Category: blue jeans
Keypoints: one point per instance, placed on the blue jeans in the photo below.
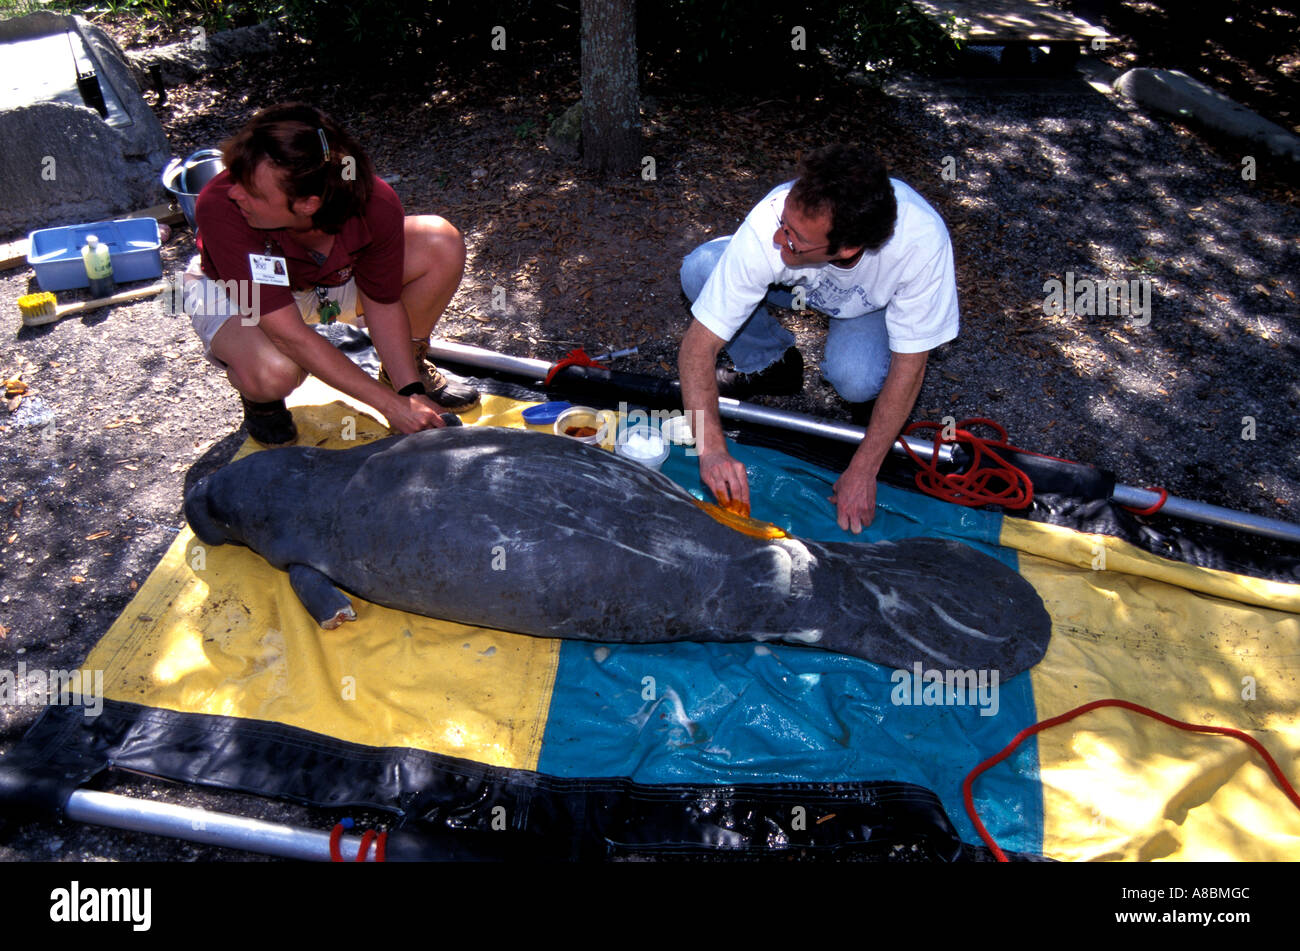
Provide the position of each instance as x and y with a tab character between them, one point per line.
857	348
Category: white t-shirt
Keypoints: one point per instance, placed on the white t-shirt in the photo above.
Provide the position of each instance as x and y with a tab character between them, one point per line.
911	275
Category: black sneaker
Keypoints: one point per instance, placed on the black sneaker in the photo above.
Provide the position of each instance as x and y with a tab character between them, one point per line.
860	413
782	378
270	424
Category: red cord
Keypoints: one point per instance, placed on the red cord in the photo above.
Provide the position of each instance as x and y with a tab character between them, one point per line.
366	838
380	841
577	357
1087	707
1155	507
972	487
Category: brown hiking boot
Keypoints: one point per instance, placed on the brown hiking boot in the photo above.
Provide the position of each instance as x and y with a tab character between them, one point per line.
446	389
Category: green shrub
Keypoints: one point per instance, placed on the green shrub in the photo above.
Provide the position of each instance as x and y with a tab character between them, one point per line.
739	43
211	14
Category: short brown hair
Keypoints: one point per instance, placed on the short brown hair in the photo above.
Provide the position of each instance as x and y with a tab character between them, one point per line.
289	136
852	183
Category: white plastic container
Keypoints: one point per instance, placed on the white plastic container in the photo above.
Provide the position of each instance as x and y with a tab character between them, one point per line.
643	444
677	431
584	417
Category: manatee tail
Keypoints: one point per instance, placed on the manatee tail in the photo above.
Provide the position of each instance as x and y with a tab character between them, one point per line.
937	602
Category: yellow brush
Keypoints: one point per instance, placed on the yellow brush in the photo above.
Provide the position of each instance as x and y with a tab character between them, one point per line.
44	308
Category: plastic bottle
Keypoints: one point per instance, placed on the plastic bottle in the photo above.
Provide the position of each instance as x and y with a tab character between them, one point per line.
98	259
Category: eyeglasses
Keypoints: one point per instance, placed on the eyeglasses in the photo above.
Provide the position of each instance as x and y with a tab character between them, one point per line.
789	242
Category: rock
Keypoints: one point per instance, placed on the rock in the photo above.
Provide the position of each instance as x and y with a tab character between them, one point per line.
564	137
231	46
178	63
62	163
184	62
32	413
1176	94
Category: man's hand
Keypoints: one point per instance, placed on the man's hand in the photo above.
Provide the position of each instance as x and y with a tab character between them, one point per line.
725	477
411	414
855	500
855	492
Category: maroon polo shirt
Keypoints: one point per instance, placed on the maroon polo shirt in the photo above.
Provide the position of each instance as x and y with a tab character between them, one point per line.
370	248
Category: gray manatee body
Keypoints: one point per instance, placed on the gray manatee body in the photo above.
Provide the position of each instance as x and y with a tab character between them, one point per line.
535	534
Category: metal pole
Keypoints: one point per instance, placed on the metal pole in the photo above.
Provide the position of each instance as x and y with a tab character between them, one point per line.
1207	513
727	408
209	828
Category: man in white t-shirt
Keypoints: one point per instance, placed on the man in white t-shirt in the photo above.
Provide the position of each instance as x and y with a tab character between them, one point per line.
853	243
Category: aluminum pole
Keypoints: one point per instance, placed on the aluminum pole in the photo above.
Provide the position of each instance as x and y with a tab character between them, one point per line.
727	408
208	828
1207	513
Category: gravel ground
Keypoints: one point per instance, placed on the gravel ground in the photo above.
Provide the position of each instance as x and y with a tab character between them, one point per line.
1053	184
123	412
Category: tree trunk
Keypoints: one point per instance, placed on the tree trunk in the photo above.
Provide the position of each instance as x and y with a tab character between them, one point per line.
611	120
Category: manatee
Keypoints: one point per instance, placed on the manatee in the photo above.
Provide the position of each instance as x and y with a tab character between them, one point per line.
536	534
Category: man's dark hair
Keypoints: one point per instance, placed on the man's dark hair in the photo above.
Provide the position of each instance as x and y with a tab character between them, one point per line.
852	183
289	136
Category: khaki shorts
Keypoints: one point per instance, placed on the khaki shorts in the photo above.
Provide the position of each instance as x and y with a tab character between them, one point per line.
209	305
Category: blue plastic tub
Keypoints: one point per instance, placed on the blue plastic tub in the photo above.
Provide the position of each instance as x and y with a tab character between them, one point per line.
55	253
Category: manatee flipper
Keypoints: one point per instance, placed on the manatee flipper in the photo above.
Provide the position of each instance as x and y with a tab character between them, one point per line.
324	602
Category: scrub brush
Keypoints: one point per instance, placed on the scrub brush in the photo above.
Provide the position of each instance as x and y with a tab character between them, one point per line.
44	308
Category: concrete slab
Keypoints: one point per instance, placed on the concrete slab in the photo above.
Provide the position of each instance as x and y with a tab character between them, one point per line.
45	69
1009	21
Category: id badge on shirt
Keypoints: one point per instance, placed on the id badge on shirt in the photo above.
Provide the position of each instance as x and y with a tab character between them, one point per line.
268	269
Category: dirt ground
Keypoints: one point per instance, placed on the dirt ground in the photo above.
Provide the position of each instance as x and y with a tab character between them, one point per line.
122	410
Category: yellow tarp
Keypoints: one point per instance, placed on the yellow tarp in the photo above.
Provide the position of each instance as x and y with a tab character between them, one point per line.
1117	785
217	630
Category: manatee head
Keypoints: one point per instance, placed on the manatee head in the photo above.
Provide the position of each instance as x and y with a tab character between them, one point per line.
211	525
257	500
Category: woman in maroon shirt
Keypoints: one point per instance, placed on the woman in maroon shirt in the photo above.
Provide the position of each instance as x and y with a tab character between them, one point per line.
297	229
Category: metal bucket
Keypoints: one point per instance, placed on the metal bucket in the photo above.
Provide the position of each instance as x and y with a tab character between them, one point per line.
185	178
